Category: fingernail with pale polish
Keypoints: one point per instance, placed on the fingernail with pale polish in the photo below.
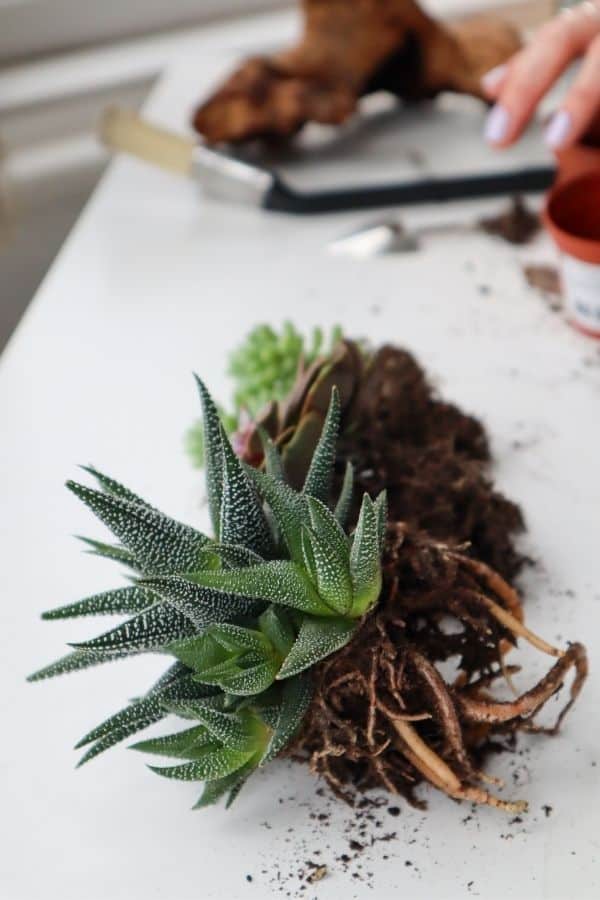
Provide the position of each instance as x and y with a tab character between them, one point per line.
496	126
558	130
493	77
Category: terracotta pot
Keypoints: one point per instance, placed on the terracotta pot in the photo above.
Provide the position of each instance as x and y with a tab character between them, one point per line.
582	158
572	216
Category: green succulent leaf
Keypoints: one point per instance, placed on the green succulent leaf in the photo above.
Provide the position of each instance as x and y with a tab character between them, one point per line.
202	606
243	521
134	718
276	624
214	763
154	628
320	473
231	785
381	511
344	503
289	510
317	639
181	745
241	730
327	529
365	566
278	581
296	695
273	461
234	556
161	545
123	601
110	551
213	456
75	661
331	574
110	486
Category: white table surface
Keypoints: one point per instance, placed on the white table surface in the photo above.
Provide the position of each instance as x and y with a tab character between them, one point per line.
153	283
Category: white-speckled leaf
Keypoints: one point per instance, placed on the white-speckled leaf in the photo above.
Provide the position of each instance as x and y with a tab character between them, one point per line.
381	511
110	551
242	518
365	566
237	730
161	545
155	627
273	461
276	624
320	473
278	581
114	487
178	745
288	508
202	606
75	661
245	682
214	764
230	784
328	530
117	728
233	556
331	573
295	699
344	503
317	639
213	457
126	601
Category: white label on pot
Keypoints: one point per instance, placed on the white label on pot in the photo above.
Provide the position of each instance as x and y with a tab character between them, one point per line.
581	282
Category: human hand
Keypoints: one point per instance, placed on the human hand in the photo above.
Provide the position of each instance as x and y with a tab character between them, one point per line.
518	86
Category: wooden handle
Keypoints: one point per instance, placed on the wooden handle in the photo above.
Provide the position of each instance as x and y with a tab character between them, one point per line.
122	130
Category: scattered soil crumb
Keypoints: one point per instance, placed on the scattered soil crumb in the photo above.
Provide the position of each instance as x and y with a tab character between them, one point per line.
546	279
548	810
516	224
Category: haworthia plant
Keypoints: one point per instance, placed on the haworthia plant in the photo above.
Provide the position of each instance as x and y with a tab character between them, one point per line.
244	615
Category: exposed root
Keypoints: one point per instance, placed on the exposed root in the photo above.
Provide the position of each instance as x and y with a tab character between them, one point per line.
384	716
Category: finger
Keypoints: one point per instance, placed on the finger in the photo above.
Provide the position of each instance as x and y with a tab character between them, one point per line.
494	80
537	68
581	105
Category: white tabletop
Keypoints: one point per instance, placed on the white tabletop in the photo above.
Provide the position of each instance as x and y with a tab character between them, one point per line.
153	283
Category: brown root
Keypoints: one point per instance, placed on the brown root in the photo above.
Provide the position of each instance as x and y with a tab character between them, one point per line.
384	716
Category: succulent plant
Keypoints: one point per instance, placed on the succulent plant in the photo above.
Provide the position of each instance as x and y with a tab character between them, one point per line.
244	615
263	368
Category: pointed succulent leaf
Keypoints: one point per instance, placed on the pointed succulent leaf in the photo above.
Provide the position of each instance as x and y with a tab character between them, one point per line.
213	455
75	661
128	600
178	745
240	681
381	511
320	474
278	581
344	503
295	699
110	486
365	564
110	551
317	639
241	730
115	737
332	574
202	606
288	508
231	785
278	627
138	709
242	518
328	530
175	674
273	461
155	627
233	556
215	763
161	545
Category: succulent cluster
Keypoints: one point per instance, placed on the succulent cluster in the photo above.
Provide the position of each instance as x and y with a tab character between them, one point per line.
263	368
244	615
